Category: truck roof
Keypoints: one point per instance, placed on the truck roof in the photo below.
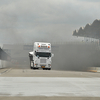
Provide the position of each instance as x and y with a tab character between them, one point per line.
42	42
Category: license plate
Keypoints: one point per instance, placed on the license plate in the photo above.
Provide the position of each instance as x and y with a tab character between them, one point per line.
43	66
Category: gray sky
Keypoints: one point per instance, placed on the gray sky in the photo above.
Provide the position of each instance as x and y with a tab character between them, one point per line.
24	21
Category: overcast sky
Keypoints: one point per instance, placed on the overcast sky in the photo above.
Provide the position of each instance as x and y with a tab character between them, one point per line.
24	21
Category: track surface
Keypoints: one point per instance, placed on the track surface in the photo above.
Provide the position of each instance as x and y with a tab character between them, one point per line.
10	72
49	86
23	84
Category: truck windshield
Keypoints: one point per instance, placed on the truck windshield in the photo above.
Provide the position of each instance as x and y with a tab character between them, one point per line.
43	54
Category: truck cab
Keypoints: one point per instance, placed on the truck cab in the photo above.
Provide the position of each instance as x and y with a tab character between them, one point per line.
41	56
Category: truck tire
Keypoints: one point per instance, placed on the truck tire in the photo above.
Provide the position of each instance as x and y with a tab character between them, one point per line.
33	66
30	65
49	68
31	58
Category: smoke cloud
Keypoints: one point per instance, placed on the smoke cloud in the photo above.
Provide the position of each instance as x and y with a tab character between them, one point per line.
28	21
78	56
23	21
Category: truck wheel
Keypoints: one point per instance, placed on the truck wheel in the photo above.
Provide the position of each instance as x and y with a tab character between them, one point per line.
30	65
33	66
49	68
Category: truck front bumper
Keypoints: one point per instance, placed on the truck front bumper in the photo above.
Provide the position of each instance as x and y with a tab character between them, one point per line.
42	66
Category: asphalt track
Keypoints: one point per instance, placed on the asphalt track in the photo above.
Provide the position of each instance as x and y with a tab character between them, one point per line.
49	86
23	84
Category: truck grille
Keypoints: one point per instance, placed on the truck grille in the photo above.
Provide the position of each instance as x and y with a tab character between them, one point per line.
42	60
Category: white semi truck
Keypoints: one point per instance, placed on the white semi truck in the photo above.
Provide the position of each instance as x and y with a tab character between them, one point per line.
41	56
